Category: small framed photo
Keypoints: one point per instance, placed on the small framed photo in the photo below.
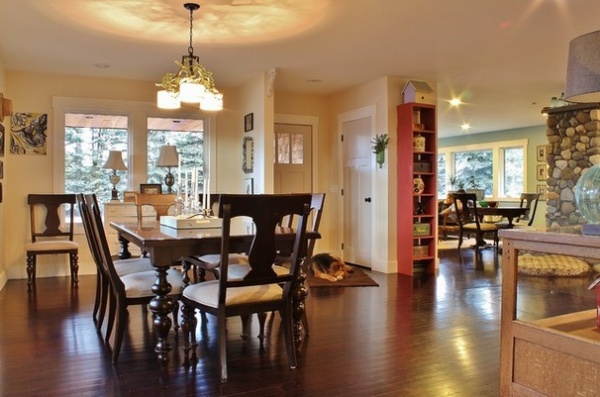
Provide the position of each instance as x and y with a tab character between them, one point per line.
541	153
542	172
151	188
129	197
543	190
249	185
249	122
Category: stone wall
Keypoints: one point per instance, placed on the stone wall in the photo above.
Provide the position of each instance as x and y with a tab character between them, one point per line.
573	147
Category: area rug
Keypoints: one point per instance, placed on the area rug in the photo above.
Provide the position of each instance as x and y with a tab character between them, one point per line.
532	264
358	278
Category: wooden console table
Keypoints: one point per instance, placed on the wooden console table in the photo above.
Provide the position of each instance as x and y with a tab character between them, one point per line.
557	356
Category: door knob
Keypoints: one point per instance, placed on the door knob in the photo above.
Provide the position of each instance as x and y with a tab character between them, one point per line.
368	200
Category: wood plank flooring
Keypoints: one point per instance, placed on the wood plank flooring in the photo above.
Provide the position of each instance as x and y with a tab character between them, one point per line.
431	336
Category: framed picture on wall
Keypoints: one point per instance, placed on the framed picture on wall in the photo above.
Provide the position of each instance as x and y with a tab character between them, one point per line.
541	153
543	190
249	122
542	172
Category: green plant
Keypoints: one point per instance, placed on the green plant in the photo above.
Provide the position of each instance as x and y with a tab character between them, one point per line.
379	143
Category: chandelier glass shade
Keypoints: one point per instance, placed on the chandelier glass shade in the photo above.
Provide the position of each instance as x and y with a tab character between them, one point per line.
193	83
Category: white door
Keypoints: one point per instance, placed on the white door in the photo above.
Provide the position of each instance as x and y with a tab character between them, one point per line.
358	163
293	158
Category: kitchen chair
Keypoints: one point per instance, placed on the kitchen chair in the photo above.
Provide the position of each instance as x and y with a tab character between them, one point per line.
527	200
469	222
123	267
50	234
261	290
160	202
123	291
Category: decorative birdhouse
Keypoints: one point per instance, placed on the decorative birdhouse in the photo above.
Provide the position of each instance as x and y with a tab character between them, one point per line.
418	92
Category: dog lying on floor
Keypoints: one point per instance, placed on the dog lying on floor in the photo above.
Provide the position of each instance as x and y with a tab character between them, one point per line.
329	267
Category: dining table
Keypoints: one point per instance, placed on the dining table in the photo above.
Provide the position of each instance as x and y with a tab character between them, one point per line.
166	246
510	213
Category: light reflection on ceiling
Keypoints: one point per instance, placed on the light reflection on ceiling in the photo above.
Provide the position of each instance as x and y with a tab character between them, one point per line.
217	21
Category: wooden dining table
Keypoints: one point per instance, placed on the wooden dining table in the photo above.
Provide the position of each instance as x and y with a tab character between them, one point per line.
509	213
166	245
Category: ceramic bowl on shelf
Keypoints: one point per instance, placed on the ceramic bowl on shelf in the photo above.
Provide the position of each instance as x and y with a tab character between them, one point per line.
493	204
484	204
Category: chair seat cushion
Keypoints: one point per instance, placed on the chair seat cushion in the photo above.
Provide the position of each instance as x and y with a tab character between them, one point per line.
212	261
484	227
54	245
139	284
135	265
207	293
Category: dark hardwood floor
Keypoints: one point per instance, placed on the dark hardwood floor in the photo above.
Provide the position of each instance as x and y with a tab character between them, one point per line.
432	336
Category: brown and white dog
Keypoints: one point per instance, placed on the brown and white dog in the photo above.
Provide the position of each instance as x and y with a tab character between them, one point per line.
329	267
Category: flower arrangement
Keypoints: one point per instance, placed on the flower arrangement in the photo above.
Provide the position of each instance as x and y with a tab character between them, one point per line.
379	143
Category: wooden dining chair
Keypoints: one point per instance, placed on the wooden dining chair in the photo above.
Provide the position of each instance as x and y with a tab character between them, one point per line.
261	289
122	267
528	201
469	222
51	232
160	202
123	291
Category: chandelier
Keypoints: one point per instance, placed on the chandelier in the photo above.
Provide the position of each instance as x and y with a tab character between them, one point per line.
192	84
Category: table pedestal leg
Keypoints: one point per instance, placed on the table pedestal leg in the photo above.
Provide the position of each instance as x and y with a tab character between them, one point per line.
161	305
124	252
299	296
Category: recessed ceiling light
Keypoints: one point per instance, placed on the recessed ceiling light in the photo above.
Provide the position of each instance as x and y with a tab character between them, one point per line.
465	127
455	102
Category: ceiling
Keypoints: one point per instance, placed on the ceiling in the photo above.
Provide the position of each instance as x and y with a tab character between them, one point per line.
505	59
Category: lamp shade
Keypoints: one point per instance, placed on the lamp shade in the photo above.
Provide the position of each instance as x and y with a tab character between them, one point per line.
583	69
115	161
168	156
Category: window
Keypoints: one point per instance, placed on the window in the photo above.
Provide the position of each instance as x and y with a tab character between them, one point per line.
185	134
88	139
289	148
499	168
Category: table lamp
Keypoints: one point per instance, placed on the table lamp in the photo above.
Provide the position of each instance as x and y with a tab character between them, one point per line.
168	157
115	163
582	86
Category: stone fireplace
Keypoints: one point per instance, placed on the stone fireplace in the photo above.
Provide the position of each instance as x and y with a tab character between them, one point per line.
573	147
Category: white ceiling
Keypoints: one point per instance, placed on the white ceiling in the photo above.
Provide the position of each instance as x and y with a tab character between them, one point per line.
504	58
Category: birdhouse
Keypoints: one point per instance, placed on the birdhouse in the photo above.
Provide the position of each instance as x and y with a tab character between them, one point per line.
596	285
418	92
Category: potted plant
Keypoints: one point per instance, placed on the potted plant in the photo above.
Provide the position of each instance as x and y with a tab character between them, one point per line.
378	145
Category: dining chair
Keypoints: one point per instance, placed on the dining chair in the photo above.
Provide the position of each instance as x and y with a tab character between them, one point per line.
160	202
527	200
51	232
126	290
469	222
122	267
261	290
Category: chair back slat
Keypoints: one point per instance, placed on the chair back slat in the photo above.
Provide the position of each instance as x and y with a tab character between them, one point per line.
51	204
265	211
160	202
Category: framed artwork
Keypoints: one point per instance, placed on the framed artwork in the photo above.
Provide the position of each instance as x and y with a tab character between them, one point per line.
542	172
541	153
249	122
1	169
129	197
0	192
249	185
248	155
543	190
28	133
151	188
2	139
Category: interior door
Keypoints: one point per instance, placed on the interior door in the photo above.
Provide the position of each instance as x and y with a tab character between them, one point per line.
293	158
357	190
